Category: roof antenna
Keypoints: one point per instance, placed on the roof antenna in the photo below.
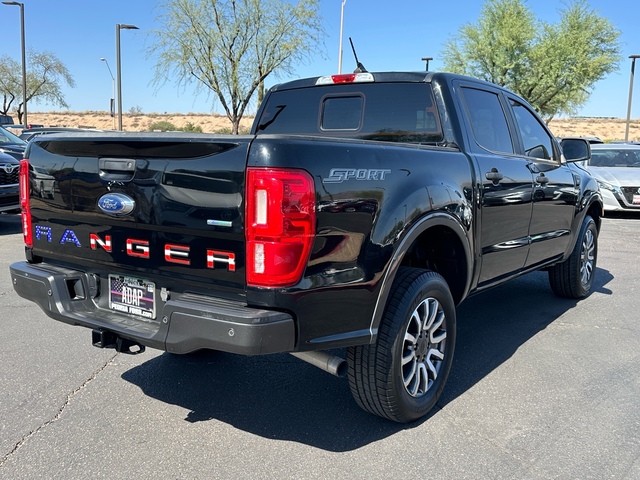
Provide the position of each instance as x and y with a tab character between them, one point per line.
359	67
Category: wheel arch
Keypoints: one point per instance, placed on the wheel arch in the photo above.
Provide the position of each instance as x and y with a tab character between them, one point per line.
596	210
438	243
591	202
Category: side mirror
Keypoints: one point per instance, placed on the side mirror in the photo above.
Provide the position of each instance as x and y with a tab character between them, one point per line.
539	151
575	149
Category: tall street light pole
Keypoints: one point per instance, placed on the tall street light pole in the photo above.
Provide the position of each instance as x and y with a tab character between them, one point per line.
120	26
24	64
633	66
427	59
341	26
113	94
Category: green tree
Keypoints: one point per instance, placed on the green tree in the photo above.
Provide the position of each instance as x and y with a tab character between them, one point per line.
229	47
553	66
46	75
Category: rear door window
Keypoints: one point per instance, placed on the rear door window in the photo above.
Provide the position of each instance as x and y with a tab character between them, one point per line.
488	120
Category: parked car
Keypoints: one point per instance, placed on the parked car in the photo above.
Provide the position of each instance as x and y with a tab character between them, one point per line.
9	188
616	167
11	144
6	120
593	140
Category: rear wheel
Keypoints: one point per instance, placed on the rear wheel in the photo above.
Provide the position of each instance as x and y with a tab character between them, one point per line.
402	375
573	278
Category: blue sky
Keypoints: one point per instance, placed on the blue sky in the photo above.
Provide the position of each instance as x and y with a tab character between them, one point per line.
388	35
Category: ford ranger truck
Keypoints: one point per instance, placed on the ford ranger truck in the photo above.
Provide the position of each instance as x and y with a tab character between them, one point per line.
355	216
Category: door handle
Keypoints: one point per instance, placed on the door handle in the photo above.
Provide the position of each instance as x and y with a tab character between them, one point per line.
117	169
494	176
542	179
118	164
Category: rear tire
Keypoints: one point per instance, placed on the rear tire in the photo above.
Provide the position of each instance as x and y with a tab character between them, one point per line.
402	375
573	278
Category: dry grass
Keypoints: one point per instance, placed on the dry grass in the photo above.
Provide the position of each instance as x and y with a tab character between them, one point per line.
604	128
135	123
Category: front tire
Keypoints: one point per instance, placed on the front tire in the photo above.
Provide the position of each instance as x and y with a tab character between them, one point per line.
402	375
573	278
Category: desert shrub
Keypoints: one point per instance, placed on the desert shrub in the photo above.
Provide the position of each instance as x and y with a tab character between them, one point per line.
163	126
227	130
166	126
190	127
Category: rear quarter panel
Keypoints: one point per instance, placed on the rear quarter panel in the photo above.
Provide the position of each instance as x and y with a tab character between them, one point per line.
369	194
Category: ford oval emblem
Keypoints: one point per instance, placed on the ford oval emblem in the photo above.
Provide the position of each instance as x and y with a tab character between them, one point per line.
116	204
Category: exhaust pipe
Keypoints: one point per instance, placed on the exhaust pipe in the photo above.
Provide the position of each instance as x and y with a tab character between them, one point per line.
329	363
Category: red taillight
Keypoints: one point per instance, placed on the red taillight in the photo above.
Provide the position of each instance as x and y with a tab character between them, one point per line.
24	203
344	78
280	225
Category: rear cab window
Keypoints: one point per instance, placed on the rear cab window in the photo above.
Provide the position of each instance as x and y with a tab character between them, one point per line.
385	112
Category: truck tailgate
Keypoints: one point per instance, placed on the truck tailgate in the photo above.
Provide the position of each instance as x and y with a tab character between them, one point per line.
170	206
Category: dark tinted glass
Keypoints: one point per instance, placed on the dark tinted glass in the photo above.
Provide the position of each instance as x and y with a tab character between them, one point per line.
388	112
488	121
535	139
342	113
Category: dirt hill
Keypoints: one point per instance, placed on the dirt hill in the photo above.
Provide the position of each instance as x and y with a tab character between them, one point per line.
134	123
604	128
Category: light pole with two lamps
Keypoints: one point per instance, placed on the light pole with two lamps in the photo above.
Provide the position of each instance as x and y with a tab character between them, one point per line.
24	64
633	66
120	26
113	94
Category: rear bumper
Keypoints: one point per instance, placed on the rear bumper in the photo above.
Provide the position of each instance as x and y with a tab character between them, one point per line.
184	324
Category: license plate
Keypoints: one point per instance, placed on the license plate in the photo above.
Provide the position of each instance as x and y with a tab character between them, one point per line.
132	295
636	199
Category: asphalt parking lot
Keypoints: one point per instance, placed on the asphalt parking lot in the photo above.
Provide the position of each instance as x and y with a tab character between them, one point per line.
541	388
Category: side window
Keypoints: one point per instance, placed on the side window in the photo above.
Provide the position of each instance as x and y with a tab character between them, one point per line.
488	121
535	139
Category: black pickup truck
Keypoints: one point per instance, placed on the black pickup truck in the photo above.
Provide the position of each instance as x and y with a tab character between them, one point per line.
358	213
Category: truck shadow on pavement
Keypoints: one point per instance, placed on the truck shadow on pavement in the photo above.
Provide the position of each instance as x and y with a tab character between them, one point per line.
281	397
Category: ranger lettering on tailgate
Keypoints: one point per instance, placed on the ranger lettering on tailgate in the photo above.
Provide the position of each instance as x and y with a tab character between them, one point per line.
173	253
